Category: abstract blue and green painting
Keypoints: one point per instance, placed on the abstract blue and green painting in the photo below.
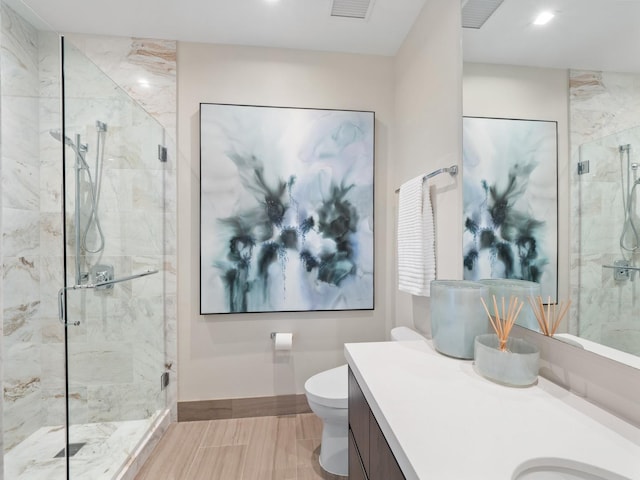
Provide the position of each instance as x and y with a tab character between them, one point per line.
510	197
286	209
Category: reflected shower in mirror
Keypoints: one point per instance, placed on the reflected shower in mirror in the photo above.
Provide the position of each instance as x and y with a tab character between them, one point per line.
609	231
581	69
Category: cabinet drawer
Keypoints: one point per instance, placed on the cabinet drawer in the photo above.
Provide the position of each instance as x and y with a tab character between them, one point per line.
383	465
359	420
356	469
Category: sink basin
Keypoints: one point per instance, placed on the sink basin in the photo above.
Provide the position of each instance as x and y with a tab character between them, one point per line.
562	469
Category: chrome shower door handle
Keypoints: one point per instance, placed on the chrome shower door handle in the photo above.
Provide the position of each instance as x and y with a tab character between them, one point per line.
62	306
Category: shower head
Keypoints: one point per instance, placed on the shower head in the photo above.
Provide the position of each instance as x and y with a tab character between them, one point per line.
57	134
80	149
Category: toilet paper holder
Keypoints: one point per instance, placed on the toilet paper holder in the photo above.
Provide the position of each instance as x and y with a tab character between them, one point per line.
282	341
273	334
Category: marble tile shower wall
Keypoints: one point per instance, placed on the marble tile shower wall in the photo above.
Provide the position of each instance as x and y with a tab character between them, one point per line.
2	461
32	238
602	104
26	228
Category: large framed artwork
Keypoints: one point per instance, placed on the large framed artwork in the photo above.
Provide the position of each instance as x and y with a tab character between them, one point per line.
510	192
286	209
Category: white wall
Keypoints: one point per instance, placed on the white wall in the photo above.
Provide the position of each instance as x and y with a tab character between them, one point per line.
231	356
506	91
427	136
416	97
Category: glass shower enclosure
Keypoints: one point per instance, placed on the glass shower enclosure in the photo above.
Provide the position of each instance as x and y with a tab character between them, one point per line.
84	225
112	302
608	260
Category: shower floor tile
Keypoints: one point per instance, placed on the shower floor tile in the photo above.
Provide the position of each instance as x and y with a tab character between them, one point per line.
107	447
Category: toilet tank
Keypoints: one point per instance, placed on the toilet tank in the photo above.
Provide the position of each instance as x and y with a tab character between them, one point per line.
405	334
422	324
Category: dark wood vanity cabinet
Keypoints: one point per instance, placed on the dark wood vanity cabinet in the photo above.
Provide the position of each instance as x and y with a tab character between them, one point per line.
359	413
356	468
370	457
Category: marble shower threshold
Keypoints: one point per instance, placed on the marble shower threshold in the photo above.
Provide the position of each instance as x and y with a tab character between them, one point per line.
107	448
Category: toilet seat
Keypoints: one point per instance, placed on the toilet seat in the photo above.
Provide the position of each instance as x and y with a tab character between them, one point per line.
329	388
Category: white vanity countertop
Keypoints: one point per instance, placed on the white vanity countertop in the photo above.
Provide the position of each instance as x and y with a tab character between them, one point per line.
443	421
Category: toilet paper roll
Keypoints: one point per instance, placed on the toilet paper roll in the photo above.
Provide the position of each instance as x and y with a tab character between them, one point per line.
283	341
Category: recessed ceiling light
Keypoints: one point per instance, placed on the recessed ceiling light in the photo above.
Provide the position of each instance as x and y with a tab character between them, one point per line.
543	18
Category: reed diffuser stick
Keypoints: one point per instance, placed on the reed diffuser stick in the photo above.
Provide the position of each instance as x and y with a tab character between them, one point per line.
489	315
548	320
536	312
496	312
559	319
503	325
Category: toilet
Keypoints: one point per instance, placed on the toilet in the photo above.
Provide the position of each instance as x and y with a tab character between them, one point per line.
327	395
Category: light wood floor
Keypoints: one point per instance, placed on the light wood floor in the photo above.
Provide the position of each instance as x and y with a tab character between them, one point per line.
260	448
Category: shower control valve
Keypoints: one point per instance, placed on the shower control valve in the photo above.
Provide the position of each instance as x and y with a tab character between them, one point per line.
621	271
101	274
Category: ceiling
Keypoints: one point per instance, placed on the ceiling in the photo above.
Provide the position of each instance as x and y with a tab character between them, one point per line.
303	24
585	34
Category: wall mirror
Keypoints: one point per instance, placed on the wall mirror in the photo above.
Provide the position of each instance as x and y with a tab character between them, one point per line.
596	44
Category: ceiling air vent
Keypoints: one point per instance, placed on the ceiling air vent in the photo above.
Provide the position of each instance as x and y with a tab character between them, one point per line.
351	8
476	12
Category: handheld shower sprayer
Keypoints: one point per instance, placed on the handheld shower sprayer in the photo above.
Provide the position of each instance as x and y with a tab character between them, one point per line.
93	191
629	236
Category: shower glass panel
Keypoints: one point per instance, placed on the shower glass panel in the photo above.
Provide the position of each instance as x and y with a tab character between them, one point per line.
33	410
114	218
609	243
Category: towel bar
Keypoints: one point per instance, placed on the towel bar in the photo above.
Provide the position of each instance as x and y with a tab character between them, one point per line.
452	170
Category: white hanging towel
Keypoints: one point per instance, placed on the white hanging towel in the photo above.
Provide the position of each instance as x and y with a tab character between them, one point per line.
416	238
